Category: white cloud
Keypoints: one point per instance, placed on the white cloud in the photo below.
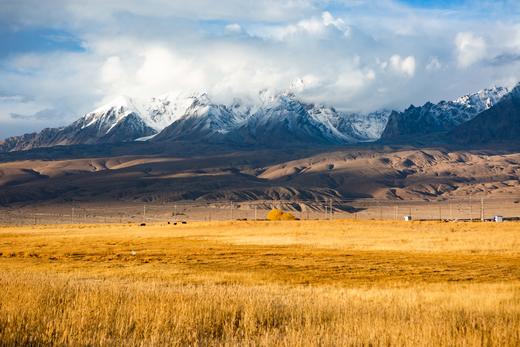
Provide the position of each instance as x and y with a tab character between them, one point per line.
79	13
470	48
512	38
343	51
112	71
405	66
329	20
163	70
434	64
321	26
234	28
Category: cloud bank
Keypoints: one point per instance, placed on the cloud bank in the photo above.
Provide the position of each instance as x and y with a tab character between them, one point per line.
357	55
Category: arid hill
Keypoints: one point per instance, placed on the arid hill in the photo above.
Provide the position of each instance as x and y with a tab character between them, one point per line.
244	175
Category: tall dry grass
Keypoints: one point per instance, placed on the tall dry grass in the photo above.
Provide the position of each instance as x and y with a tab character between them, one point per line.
223	284
68	310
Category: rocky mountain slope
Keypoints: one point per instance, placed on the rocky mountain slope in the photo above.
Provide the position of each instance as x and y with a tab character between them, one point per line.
202	120
283	119
500	123
364	127
435	118
275	119
118	121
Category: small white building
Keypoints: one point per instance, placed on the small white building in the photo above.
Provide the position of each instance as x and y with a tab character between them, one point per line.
498	219
408	218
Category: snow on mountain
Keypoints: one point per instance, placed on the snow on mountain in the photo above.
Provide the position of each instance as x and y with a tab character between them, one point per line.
203	120
483	99
499	123
160	112
106	117
282	118
311	122
364	127
444	116
117	121
157	112
274	119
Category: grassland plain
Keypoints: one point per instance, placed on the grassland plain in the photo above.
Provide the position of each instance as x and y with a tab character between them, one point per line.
288	283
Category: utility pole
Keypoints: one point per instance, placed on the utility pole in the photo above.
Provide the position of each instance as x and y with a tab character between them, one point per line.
72	216
256	215
330	209
144	213
325	211
451	212
231	208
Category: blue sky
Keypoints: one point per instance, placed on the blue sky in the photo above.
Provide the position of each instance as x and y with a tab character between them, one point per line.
59	59
37	39
434	3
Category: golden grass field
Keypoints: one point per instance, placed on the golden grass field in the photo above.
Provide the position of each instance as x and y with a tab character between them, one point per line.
293	283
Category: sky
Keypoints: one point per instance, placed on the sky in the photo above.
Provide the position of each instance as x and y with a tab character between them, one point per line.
62	58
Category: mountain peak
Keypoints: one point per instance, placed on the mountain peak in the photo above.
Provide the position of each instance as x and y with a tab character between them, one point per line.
483	99
201	98
416	122
499	123
119	102
277	117
515	91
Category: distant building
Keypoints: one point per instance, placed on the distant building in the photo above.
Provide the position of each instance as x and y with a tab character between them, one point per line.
408	218
498	219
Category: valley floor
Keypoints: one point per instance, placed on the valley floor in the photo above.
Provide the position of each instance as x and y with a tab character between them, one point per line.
340	282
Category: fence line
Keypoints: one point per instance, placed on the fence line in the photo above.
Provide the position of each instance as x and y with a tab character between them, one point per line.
476	209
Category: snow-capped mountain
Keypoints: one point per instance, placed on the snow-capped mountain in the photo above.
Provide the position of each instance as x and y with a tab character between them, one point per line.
203	120
482	100
160	112
121	120
499	123
118	121
274	119
363	127
284	119
277	117
444	116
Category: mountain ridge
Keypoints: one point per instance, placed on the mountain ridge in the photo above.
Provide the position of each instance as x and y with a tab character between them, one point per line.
195	116
430	118
500	123
275	120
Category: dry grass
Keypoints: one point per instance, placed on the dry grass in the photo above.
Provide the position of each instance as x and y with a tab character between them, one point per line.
246	283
